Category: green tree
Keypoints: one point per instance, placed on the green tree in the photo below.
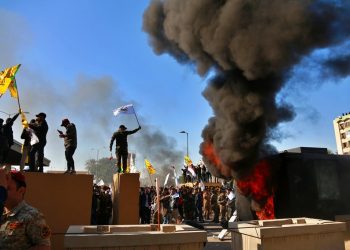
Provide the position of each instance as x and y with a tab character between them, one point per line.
103	169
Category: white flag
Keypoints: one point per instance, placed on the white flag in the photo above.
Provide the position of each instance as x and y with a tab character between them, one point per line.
132	164
33	138
126	109
201	185
100	183
175	177
166	179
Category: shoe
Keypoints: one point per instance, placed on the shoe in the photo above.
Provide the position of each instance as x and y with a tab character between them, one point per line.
73	172
67	172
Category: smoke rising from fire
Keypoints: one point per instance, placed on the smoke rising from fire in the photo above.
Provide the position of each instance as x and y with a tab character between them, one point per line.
251	46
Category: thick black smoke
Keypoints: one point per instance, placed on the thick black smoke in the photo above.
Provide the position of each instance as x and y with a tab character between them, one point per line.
250	45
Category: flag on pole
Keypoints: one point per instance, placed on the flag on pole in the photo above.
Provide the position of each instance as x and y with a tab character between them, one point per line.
189	164
149	167
188	160
126	109
191	170
158	201
175	176
8	81
166	179
132	164
201	185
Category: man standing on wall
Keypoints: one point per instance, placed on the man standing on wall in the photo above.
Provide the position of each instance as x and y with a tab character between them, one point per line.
121	149
36	155
70	143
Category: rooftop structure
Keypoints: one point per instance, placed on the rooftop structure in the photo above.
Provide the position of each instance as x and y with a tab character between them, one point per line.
15	154
342	133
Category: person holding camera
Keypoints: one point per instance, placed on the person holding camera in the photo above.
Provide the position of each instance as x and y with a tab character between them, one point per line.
70	144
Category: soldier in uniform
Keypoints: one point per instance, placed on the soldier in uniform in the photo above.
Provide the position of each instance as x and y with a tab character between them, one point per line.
22	226
222	200
206	204
215	206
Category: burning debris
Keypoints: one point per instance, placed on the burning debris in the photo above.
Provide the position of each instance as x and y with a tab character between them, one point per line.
250	46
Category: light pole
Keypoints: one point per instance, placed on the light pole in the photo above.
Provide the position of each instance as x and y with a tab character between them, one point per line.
184	132
97	156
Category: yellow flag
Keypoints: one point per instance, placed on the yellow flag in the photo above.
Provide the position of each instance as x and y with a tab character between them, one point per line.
24	120
8	81
188	160
149	167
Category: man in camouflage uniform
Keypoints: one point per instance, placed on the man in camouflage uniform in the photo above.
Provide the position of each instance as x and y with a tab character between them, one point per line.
222	200
215	206
22	226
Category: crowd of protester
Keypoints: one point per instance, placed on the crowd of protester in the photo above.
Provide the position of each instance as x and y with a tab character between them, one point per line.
193	173
101	209
177	204
216	204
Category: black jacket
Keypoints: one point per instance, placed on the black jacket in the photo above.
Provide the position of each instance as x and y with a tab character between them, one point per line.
7	130
40	130
121	140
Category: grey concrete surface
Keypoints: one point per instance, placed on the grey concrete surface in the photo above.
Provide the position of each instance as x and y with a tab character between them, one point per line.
214	243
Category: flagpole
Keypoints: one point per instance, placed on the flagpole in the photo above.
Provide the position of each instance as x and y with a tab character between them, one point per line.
158	202
19	104
149	177
136	116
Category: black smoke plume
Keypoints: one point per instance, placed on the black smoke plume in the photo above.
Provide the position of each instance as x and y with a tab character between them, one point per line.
250	46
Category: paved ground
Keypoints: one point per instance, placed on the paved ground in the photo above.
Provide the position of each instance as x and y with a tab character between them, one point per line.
213	230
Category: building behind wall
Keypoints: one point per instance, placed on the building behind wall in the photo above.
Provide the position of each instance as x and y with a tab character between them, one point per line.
342	133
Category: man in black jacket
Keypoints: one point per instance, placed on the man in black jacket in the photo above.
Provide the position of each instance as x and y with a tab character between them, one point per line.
36	155
7	136
70	144
121	142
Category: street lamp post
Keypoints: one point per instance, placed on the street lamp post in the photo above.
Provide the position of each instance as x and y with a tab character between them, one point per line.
184	132
97	157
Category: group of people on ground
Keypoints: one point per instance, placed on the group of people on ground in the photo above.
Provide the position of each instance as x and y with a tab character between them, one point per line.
34	135
186	203
101	209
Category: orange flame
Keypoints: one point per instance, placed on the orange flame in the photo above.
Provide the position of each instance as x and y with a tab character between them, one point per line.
213	158
210	154
257	186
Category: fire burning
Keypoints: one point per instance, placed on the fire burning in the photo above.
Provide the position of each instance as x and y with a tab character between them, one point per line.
210	154
251	47
258	187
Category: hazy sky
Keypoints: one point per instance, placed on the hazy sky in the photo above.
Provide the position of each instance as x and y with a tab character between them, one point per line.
81	59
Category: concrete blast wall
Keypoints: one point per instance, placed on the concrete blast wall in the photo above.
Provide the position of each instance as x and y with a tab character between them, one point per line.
64	200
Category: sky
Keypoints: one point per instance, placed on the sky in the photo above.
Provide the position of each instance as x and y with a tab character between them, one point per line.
82	59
